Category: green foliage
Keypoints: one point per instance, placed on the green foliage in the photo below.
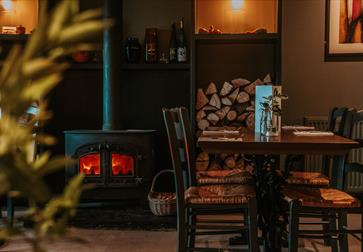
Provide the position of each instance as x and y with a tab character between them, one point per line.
272	103
27	76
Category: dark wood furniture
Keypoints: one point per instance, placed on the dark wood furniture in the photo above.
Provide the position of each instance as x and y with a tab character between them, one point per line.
336	123
267	180
195	200
330	205
286	143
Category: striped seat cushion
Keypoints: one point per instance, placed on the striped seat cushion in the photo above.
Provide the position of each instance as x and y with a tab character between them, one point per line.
235	176
307	178
219	194
320	197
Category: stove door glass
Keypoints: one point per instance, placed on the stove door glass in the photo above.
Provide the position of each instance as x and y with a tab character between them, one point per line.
122	165
90	164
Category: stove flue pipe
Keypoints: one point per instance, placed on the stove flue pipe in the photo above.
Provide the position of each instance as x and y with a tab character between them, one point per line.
112	44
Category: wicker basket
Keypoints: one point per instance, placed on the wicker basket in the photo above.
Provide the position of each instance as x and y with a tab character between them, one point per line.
161	203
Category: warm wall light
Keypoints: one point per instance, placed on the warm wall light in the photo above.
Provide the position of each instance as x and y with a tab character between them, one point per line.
6	5
237	4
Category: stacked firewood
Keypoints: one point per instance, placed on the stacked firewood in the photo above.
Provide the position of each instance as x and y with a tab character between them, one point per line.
232	105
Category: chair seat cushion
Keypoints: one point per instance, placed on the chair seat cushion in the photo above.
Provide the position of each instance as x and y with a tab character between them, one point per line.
235	176
307	178
219	194
320	197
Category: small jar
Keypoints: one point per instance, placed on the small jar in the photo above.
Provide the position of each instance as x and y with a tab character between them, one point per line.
81	56
20	29
132	50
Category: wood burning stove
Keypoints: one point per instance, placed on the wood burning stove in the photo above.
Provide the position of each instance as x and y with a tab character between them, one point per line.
120	163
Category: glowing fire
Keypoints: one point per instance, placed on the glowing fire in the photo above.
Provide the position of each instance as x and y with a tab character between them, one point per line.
122	165
90	164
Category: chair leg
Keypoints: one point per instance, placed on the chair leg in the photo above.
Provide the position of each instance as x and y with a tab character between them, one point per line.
10	211
343	238
293	227
181	227
326	227
361	234
191	232
333	241
252	225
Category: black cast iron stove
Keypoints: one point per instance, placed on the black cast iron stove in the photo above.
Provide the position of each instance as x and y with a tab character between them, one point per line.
120	163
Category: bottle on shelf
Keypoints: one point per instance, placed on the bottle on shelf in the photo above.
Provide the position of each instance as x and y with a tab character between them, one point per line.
182	44
132	50
151	40
173	45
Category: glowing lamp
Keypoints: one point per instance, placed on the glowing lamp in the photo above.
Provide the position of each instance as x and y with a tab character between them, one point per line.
237	4
7	5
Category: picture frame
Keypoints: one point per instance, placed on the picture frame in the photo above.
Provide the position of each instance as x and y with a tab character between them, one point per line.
343	31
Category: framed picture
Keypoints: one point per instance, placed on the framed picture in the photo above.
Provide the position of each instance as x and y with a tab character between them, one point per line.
344	30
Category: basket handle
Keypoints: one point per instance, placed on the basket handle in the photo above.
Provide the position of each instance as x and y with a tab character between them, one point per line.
157	175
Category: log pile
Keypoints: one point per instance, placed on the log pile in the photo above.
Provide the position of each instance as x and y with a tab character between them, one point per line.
230	104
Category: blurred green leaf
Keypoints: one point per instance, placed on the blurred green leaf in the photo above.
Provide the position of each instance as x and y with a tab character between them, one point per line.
87	15
40	87
62	15
42	66
54	164
27	76
81	32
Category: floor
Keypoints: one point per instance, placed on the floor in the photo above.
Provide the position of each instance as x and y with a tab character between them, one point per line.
102	240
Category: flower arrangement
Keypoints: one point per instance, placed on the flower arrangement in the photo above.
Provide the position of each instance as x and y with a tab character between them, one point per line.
271	114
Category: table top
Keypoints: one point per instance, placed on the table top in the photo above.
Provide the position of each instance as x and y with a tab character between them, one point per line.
247	142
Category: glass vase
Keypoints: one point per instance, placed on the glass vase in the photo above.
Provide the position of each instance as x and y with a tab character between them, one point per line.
270	124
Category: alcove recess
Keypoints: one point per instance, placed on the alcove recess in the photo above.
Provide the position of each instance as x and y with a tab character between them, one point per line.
236	16
245	43
19	12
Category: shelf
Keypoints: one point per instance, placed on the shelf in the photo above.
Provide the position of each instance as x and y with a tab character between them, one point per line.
14	37
237	38
86	66
156	66
131	67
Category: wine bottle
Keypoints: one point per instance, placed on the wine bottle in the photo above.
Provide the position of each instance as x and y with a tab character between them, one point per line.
172	45
182	44
151	45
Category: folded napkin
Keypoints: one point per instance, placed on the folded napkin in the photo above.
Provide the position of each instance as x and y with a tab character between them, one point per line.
220	139
297	127
313	133
220	132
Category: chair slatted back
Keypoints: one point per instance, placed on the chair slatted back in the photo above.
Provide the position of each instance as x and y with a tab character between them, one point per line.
337	120
335	115
189	144
340	123
356	117
179	152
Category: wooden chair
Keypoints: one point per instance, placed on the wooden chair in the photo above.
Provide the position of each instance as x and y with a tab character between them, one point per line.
235	176
327	205
193	200
336	120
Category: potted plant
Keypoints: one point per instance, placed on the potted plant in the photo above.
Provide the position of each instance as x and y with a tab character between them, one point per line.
27	76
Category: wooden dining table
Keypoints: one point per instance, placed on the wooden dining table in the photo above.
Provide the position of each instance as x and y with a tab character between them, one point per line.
268	181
